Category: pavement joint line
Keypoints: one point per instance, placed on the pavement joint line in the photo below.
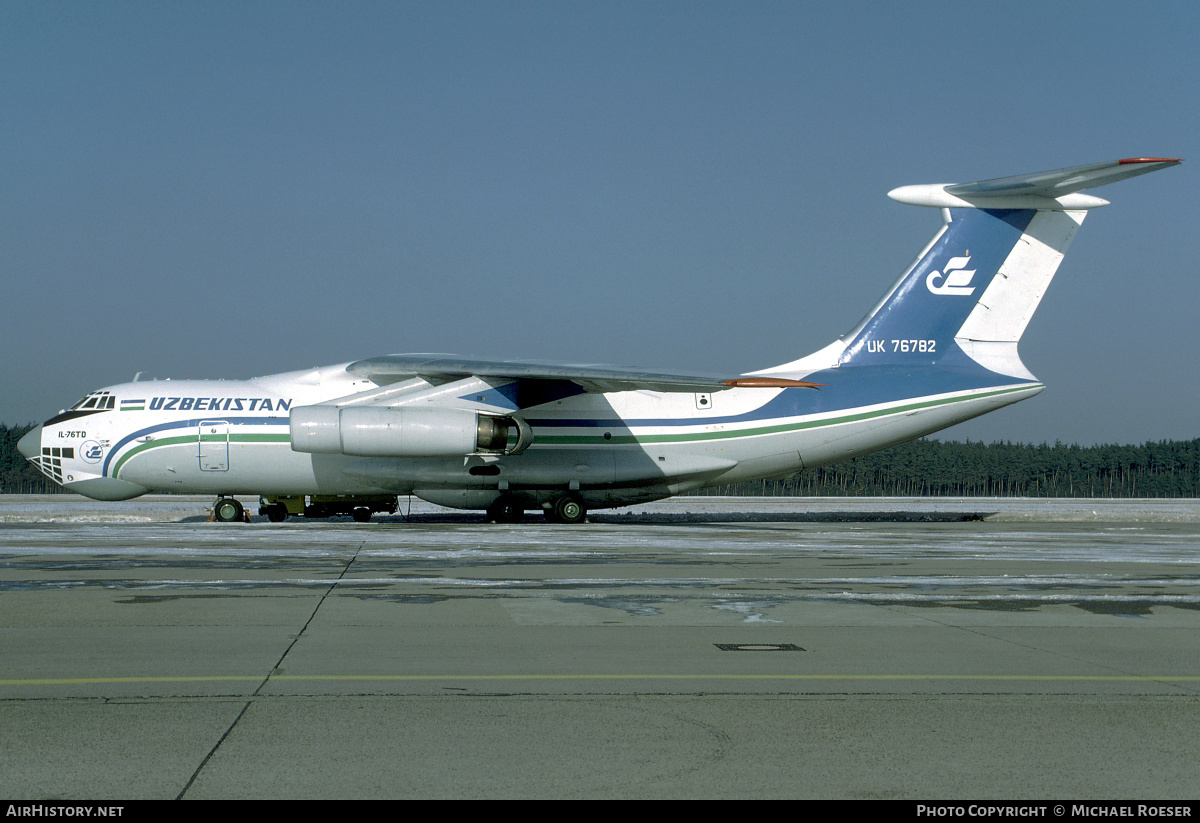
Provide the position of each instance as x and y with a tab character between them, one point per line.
267	679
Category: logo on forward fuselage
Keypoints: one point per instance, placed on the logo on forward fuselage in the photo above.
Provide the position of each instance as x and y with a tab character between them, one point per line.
956	280
91	452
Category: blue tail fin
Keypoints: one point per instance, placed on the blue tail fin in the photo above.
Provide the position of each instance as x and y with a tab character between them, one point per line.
919	319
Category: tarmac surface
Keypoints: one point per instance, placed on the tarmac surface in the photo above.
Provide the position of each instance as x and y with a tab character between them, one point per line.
700	647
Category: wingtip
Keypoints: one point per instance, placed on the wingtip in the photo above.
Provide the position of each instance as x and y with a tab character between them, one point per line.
1128	160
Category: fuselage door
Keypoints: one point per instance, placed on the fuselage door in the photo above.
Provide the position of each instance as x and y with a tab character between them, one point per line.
214	446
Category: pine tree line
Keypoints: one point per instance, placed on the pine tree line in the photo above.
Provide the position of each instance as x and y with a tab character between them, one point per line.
924	468
17	475
931	468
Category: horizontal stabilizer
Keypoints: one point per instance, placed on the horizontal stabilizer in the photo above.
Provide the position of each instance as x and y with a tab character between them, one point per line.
1064	181
1040	190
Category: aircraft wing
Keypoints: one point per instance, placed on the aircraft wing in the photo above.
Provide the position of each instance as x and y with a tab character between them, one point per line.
439	368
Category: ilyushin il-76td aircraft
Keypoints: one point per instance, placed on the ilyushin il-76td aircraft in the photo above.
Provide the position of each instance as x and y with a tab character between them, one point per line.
508	437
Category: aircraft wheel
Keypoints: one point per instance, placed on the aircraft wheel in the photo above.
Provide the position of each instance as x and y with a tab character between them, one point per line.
505	510
227	510
361	515
568	509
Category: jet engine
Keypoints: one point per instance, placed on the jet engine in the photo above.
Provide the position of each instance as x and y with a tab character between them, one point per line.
371	431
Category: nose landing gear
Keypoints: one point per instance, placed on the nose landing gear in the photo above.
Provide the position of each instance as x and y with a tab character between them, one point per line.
228	510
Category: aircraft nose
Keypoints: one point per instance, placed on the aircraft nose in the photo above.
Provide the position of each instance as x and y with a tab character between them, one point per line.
30	446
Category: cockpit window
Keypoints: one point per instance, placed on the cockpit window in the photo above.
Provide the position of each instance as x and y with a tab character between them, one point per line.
98	400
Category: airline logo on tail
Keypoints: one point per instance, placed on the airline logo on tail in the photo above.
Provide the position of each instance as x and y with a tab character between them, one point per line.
957	280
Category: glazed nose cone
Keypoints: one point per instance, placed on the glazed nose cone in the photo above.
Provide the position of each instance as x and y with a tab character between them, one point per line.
30	446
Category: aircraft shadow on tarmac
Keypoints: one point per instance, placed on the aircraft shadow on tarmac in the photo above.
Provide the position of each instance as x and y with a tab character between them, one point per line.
647	518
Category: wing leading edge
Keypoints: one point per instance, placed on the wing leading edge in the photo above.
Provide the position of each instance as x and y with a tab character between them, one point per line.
393	368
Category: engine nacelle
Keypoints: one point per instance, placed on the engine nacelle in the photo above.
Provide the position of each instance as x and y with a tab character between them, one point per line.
371	431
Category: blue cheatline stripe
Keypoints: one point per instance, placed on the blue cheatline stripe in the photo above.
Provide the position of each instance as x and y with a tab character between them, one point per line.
846	389
772	425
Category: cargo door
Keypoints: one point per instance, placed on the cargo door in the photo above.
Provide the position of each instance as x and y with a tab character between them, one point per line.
214	446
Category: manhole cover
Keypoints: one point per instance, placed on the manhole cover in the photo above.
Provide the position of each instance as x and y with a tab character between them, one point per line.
758	647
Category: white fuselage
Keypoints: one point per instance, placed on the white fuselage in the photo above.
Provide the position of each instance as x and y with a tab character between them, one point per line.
229	437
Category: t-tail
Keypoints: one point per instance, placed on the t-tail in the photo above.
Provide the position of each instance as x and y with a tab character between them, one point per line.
966	300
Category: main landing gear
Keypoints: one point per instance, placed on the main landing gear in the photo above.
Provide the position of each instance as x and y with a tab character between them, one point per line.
275	512
505	509
566	509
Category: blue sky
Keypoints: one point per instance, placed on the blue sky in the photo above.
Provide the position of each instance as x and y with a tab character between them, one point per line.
233	189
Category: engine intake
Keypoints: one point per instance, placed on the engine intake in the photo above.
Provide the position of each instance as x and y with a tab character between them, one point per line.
371	431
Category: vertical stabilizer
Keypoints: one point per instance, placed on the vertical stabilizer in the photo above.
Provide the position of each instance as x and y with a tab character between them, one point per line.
919	319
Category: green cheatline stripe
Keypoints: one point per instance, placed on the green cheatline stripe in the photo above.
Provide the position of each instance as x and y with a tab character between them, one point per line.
141	447
551	439
417	678
193	438
563	439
